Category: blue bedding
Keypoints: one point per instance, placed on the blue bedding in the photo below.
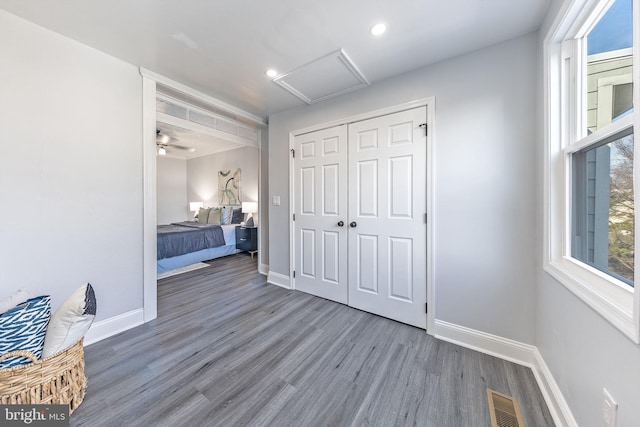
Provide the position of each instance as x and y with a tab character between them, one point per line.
184	237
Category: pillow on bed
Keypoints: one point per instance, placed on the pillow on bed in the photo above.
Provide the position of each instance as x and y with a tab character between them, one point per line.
227	215
71	320
203	215
237	216
23	328
215	216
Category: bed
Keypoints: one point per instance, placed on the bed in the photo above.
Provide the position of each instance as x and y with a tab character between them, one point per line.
184	243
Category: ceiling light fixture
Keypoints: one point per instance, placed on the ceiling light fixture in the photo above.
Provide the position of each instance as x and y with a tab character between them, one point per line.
162	151
160	137
378	29
271	72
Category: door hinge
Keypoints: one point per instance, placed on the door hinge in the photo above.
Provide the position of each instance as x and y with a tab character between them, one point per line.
294	274
425	126
293	153
426	219
426	307
294	217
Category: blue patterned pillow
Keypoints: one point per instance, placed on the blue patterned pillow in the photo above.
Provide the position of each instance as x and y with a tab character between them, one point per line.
23	328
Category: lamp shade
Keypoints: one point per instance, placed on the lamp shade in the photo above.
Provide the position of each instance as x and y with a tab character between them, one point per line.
249	207
194	206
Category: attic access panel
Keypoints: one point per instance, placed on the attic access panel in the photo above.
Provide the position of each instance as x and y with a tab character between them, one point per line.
331	75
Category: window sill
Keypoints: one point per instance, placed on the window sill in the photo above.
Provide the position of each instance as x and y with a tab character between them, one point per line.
611	300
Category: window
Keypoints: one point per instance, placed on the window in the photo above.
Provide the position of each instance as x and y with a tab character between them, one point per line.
591	210
609	66
602	206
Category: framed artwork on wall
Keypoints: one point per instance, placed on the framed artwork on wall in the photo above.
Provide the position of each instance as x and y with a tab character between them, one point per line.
229	187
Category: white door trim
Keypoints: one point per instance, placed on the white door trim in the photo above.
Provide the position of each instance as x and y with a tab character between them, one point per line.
149	216
227	108
430	103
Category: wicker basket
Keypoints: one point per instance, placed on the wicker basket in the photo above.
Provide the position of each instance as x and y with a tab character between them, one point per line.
57	379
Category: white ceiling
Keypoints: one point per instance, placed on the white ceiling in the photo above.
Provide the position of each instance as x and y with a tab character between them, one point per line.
222	48
201	143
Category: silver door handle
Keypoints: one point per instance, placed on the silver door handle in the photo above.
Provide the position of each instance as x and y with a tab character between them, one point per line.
340	223
353	224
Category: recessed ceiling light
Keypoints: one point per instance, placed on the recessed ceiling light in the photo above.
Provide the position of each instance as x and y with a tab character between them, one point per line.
378	29
271	72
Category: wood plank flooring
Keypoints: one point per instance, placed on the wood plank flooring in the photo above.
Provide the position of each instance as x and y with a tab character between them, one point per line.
228	349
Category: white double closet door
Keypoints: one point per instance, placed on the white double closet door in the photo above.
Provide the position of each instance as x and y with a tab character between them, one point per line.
360	233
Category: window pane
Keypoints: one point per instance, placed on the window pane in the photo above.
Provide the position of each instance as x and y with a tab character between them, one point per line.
602	206
622	99
610	67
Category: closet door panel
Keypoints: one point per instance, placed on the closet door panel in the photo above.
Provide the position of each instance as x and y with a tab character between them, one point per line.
366	189
387	205
320	203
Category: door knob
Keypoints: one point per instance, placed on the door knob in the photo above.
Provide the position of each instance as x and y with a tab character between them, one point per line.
353	224
340	223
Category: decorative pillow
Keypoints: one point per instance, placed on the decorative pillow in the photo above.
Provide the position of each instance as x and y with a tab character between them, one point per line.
24	328
12	300
215	216
227	215
71	320
237	216
203	215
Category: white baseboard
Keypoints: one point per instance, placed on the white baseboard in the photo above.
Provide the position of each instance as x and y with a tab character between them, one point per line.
263	269
516	352
504	348
114	325
552	394
279	280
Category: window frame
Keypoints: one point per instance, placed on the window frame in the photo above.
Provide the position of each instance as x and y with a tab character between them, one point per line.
565	125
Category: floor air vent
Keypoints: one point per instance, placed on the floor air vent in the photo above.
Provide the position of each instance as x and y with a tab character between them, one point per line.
504	410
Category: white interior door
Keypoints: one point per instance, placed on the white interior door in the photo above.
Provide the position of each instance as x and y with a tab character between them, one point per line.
320	197
387	216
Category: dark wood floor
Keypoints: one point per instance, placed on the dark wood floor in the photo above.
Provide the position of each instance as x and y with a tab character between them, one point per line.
228	349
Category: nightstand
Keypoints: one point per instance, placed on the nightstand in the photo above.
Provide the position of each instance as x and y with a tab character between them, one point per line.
247	239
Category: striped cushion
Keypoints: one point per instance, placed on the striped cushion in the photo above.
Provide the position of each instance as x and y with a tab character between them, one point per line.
23	328
227	215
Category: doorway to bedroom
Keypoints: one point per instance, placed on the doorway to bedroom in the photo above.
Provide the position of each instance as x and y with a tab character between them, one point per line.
207	187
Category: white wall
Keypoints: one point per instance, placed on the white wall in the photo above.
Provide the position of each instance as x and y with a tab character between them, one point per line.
583	351
484	180
202	175
70	169
182	181
172	204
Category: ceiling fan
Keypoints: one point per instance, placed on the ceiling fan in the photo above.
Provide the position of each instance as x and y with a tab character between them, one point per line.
164	142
